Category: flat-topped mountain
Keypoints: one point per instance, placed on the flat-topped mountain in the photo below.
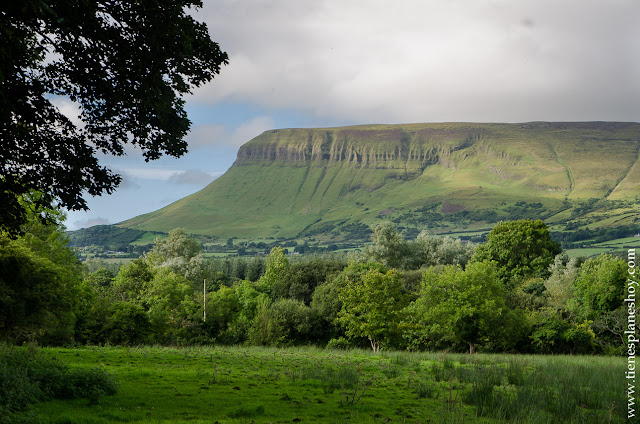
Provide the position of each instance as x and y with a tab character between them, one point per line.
446	177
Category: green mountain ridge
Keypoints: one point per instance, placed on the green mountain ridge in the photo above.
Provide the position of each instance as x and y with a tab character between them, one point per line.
447	177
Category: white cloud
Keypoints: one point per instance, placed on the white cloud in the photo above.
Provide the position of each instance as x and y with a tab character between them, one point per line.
149	173
177	176
128	183
204	135
194	177
216	135
250	129
417	60
69	109
86	223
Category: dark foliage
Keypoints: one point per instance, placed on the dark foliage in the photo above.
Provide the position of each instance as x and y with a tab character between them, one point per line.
126	64
27	377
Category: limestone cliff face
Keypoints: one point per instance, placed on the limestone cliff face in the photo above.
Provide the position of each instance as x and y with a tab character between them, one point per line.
543	156
513	150
376	146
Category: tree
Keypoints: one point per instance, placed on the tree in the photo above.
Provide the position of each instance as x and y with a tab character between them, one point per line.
183	255
277	270
291	322
127	66
175	251
35	297
457	308
180	253
132	281
553	334
600	285
371	306
429	250
599	292
39	282
222	308
521	249
303	278
326	302
392	250
101	278
389	247
170	304
559	285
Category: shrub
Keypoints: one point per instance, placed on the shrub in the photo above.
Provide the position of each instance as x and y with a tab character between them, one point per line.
27	377
339	343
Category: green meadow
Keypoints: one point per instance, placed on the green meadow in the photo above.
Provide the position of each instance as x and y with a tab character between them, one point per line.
278	385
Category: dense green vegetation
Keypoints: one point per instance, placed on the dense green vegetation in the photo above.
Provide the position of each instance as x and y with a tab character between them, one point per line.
28	376
515	293
112	238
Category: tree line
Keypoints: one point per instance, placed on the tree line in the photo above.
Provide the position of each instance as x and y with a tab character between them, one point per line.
517	292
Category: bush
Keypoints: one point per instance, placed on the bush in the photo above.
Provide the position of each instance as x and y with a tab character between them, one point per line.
128	324
17	390
27	377
339	343
86	383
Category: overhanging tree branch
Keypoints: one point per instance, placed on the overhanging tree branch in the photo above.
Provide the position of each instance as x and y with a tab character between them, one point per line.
127	64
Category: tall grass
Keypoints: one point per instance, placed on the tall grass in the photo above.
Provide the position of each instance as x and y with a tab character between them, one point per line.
243	384
27	377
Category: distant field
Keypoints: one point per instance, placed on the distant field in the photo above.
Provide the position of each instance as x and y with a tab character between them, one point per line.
621	242
147	238
610	246
218	254
121	261
587	251
308	385
113	259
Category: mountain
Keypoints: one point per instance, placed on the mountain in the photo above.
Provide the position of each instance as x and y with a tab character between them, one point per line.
332	182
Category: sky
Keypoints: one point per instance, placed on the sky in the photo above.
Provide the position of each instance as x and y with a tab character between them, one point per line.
325	63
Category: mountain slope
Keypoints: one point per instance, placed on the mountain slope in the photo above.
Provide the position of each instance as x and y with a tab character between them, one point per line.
446	176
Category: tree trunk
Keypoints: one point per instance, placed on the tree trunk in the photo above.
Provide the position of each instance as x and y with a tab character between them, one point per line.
472	348
375	345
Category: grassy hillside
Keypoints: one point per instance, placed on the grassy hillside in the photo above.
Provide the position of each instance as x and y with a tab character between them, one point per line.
446	177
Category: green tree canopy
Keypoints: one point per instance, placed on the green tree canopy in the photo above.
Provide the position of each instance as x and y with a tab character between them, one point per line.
522	248
277	271
39	281
126	64
177	247
600	286
133	281
459	307
389	247
393	251
371	306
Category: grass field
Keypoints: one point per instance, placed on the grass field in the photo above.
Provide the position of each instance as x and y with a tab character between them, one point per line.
621	243
587	252
610	246
268	385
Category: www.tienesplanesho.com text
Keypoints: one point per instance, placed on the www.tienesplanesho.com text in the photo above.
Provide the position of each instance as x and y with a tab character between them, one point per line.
630	332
